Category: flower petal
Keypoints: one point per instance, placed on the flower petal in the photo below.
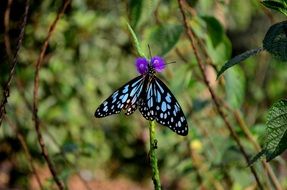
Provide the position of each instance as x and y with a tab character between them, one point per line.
142	65
158	63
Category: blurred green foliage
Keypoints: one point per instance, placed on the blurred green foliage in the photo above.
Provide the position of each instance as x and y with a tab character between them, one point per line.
274	43
91	54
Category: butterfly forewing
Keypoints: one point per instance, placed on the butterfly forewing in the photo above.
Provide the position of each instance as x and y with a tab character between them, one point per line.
160	104
124	98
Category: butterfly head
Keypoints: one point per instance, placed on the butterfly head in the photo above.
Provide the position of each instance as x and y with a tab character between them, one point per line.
156	64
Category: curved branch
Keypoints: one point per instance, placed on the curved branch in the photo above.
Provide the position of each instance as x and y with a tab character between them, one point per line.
213	95
6	90
24	145
35	97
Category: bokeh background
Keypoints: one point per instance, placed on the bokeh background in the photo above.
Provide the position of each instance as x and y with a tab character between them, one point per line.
91	54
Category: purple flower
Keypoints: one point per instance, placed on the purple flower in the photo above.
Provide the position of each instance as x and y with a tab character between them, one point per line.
142	65
158	63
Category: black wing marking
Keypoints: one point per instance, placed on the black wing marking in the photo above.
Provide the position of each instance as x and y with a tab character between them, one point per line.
123	98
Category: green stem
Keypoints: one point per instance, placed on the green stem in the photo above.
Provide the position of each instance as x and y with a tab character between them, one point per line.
153	158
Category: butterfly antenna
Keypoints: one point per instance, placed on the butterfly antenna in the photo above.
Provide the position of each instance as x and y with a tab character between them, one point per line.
149	51
170	62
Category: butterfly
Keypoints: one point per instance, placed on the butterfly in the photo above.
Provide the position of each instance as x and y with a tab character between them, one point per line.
148	93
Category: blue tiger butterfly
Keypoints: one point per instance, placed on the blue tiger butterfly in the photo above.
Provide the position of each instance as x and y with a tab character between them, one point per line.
150	95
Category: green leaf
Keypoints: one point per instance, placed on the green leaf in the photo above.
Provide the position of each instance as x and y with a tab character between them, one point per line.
136	41
237	59
276	132
276	136
214	29
275	41
221	52
163	38
235	87
135	12
275	5
284	2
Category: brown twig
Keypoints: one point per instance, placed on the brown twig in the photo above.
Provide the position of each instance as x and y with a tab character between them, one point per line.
6	29
237	116
26	150
243	126
53	139
6	90
35	97
267	12
180	55
213	95
199	40
261	74
241	122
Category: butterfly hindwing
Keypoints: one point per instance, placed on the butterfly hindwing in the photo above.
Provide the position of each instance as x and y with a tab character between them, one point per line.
161	105
123	98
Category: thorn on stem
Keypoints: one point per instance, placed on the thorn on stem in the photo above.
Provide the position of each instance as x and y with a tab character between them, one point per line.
154	145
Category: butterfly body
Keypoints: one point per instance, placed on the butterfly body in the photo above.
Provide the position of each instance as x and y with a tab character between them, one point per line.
148	93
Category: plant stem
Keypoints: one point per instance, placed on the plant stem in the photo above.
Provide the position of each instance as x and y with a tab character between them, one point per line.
36	118
6	89
153	158
214	97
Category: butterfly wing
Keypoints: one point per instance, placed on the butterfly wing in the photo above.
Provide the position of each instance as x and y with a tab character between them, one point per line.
160	104
123	98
